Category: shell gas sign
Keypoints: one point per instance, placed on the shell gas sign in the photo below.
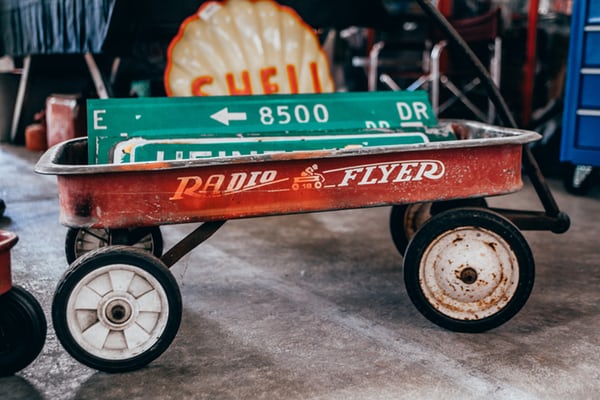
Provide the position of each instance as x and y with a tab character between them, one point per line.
246	47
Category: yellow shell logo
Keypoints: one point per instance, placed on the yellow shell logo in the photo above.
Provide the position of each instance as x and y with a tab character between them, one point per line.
243	47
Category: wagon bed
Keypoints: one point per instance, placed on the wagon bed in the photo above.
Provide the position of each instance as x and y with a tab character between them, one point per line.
487	161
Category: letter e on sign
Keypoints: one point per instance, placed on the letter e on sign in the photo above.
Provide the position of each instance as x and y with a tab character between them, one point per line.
98	118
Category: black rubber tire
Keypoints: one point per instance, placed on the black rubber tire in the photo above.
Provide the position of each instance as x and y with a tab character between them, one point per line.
22	330
406	219
152	240
83	272
443	281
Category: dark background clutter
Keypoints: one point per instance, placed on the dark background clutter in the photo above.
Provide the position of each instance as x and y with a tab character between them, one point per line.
139	32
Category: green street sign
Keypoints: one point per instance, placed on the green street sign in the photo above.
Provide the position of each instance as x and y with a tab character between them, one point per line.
139	150
111	121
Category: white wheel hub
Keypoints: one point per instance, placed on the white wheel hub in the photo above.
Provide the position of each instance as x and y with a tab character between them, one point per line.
469	273
117	312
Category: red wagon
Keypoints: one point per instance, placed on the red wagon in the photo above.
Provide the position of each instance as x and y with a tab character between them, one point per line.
22	320
466	268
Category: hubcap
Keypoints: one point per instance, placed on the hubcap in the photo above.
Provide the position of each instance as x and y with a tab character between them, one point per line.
469	273
117	312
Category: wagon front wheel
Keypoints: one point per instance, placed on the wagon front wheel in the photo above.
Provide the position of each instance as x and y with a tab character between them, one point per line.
22	330
80	241
468	270
116	309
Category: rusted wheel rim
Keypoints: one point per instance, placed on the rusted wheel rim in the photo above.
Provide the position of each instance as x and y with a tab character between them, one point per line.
469	273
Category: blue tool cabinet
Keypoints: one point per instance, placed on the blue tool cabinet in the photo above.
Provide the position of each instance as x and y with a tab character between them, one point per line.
580	143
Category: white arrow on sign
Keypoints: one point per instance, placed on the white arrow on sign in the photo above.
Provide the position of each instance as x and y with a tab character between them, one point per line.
224	116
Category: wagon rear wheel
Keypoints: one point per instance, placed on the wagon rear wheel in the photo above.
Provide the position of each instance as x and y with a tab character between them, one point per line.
468	270
406	219
116	309
22	330
80	241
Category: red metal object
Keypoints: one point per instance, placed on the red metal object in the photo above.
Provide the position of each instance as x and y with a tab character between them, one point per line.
7	241
529	68
65	118
487	162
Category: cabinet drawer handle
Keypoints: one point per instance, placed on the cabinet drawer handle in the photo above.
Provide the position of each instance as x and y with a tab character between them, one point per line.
589	113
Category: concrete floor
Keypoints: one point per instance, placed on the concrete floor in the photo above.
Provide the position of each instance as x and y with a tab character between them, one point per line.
314	307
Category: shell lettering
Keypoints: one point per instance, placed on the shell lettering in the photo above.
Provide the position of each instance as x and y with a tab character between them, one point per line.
242	47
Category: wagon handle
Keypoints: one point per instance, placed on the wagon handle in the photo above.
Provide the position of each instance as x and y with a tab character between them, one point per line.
561	220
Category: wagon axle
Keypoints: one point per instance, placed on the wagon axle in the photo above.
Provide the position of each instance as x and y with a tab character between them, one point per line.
118	311
468	275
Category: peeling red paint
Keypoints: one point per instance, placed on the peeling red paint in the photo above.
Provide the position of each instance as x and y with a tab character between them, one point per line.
7	241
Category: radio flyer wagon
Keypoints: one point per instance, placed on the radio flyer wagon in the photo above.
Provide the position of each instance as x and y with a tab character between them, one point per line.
118	307
467	267
22	320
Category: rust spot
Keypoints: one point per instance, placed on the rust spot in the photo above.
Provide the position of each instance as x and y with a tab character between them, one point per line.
457	272
461	132
83	207
492	245
457	240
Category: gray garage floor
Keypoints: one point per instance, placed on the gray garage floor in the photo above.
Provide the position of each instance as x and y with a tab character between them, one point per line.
314	307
